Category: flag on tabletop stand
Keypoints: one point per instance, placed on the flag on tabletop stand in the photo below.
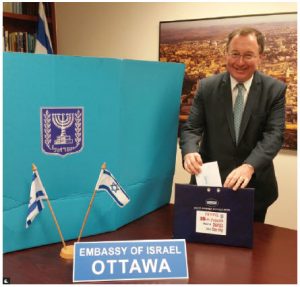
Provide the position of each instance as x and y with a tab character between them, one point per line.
35	206
107	182
43	43
37	194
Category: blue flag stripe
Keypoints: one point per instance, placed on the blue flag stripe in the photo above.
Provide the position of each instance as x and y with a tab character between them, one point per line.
35	204
32	207
42	37
39	193
105	171
33	176
39	204
105	187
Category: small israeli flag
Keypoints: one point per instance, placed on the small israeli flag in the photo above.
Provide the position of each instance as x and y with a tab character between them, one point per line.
37	194
108	183
43	43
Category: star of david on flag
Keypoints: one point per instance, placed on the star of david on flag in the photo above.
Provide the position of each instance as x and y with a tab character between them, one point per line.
108	183
37	194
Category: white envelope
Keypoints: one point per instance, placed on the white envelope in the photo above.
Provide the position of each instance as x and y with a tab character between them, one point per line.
209	175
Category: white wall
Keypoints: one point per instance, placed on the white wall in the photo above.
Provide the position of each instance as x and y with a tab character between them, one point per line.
131	30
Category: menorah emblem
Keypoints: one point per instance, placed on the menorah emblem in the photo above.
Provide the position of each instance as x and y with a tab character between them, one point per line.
62	130
63	121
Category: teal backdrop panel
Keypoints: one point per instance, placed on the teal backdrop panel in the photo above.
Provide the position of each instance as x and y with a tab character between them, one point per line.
130	121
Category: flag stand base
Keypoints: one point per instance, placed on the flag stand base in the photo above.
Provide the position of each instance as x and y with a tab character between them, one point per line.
67	252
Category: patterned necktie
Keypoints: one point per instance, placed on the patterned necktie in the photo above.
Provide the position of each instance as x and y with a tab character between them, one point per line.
238	109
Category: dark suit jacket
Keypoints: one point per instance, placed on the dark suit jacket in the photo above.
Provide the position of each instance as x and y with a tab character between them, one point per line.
210	130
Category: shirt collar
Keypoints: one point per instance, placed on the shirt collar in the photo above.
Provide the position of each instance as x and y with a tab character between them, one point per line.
234	82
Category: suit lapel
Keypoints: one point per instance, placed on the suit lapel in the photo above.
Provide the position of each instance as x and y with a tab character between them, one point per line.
252	99
227	100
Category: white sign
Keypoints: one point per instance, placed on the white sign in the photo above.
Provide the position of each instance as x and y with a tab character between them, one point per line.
130	260
211	222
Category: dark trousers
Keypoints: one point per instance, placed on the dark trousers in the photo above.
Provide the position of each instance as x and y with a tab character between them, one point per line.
260	214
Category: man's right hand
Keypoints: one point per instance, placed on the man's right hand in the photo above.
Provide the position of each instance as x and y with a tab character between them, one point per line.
192	163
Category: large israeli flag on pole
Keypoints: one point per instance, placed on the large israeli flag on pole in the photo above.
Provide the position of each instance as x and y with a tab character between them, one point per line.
43	43
37	194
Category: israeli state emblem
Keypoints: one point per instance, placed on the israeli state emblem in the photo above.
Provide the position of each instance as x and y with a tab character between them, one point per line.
62	130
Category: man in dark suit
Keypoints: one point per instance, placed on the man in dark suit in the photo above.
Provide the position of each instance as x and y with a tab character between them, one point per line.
237	119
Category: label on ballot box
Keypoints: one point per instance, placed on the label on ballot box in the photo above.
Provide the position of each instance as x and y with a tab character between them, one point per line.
130	260
211	222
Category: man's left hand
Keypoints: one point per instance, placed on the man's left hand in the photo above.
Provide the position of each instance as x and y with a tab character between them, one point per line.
239	177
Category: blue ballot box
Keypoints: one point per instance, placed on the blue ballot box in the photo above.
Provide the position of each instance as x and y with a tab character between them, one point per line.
214	215
68	115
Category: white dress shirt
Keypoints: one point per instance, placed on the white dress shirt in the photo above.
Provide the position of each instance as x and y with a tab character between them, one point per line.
234	89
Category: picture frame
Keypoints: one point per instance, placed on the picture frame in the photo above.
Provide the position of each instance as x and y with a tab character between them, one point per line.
201	45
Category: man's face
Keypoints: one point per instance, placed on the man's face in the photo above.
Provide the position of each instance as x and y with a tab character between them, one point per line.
243	57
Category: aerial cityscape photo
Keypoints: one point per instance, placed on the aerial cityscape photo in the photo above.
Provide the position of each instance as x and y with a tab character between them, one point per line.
200	45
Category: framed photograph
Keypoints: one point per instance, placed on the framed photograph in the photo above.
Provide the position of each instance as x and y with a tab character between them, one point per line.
201	45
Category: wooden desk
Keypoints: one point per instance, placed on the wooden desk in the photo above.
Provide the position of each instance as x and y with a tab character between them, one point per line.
272	260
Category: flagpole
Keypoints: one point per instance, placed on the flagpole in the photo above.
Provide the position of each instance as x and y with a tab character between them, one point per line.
67	252
56	223
34	168
90	204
